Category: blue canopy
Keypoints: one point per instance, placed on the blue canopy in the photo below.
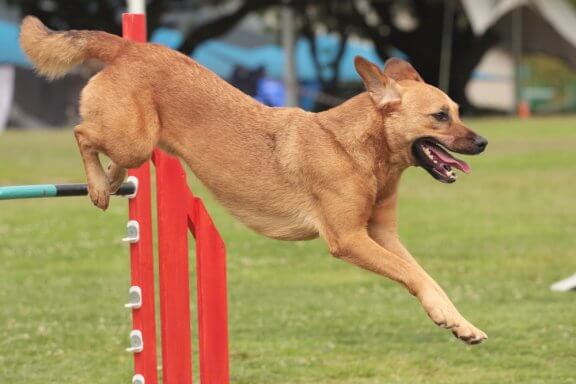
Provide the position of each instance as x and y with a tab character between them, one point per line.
221	57
10	51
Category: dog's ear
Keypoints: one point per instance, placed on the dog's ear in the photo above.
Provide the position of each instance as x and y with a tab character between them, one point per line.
383	90
399	69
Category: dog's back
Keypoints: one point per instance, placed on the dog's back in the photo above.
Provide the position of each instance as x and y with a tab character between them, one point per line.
150	95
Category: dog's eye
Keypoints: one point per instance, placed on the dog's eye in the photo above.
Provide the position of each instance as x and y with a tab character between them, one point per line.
441	116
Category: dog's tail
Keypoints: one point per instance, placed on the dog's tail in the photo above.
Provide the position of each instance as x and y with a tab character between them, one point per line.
56	53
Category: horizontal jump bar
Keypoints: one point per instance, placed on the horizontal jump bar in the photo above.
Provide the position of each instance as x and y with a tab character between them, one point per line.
56	190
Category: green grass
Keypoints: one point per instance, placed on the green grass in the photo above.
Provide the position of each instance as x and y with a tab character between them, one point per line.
495	240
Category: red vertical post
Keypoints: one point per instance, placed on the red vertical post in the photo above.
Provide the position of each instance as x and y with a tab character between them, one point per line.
173	256
141	252
178	210
212	294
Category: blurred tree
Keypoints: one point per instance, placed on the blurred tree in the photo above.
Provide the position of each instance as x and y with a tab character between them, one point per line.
332	15
103	15
413	27
224	23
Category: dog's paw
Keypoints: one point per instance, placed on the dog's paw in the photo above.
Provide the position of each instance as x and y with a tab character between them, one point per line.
116	176
99	194
469	333
445	315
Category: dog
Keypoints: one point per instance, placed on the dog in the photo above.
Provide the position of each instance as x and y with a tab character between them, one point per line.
284	172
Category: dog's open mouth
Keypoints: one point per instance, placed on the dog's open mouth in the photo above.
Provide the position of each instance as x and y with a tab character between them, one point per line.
434	158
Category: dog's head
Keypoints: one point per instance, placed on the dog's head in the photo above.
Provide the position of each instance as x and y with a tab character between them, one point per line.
421	120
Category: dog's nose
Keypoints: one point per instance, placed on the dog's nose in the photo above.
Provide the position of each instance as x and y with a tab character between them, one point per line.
480	143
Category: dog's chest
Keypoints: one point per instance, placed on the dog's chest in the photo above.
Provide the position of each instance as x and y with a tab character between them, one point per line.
386	182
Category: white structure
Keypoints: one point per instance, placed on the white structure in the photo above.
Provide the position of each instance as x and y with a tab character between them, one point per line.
493	83
526	26
6	93
547	25
565	285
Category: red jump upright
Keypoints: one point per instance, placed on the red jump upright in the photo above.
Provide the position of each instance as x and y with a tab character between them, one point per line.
171	191
141	251
212	294
178	210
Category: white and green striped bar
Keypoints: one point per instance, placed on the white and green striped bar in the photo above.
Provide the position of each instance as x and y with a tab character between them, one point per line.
57	190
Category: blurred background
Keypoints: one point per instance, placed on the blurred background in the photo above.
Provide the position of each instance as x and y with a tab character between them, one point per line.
496	240
492	57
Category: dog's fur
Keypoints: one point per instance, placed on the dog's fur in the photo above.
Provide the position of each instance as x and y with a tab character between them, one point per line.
284	172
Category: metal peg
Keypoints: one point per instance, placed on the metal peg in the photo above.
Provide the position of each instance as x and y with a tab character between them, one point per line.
133	180
134	298
136	342
132	232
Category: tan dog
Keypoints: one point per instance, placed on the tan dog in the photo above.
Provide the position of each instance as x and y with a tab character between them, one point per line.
286	173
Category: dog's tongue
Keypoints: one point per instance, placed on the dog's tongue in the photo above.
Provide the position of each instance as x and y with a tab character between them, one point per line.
451	161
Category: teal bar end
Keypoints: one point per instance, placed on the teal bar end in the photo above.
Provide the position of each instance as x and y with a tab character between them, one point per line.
27	191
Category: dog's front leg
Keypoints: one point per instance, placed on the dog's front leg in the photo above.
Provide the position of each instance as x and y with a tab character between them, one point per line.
348	239
382	227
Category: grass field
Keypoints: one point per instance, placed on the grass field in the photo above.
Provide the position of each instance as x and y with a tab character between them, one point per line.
495	240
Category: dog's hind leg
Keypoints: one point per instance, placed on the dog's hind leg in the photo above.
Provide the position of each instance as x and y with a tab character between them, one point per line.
115	175
123	126
98	187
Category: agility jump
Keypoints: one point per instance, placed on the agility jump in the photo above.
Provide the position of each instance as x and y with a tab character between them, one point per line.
178	211
57	190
